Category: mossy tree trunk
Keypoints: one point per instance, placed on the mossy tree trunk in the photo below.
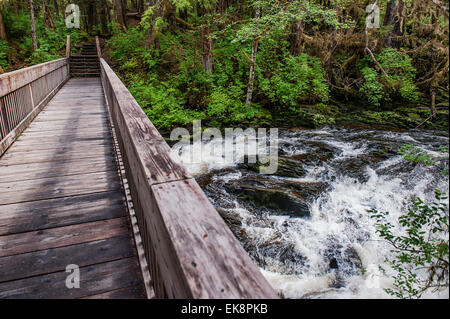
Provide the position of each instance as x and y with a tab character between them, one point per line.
33	27
2	27
207	57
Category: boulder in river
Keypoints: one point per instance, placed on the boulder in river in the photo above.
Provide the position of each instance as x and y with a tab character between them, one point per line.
275	199
286	167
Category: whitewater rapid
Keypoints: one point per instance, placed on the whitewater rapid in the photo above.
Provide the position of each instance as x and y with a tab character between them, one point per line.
296	254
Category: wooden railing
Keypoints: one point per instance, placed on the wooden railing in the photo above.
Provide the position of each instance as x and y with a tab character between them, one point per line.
190	250
24	93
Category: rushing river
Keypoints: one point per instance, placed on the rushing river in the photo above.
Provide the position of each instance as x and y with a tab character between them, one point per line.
308	228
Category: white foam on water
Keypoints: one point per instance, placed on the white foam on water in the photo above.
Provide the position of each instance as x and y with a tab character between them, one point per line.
339	221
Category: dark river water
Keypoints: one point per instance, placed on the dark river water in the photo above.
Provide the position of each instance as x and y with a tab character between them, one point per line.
307	226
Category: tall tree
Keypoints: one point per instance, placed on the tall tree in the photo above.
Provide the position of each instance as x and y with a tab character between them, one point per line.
33	26
207	58
395	20
56	7
2	24
120	13
251	76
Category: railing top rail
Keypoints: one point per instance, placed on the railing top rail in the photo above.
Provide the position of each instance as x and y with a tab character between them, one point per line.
14	80
193	253
146	138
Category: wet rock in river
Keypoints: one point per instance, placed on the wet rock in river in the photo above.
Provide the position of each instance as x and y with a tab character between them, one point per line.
381	152
333	263
231	218
261	194
344	260
286	167
287	196
355	167
289	168
275	199
306	190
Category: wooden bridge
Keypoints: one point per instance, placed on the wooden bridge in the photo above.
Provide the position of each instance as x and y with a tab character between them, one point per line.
87	180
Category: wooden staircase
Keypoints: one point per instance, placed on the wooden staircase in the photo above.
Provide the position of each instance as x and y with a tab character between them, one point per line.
86	64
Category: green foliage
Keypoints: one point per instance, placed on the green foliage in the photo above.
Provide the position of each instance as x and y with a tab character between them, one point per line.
163	105
126	45
372	88
4	52
225	106
297	79
321	120
421	254
275	15
379	89
51	41
417	155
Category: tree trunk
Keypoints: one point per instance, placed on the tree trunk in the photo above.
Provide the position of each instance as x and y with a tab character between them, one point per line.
55	6
33	27
433	102
153	38
119	13
103	17
395	20
251	77
2	27
207	58
297	39
124	13
47	15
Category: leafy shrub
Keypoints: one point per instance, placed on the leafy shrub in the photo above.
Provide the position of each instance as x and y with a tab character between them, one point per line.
4	51
321	120
226	105
162	105
298	79
379	89
372	88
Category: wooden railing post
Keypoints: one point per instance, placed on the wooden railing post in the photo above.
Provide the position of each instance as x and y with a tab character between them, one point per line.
68	46
31	95
68	53
97	44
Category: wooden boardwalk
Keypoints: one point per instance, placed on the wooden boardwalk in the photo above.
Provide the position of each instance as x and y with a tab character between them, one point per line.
62	202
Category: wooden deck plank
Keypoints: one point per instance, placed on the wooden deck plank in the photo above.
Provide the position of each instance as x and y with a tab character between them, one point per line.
54	187
95	279
21	172
65	211
64	150
124	293
46	146
56	259
62	202
62	236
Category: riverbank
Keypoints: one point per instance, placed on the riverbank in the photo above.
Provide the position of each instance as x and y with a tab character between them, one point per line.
402	118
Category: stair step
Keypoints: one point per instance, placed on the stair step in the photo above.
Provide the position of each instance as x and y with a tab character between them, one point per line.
89	56
78	66
84	63
85	71
85	74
